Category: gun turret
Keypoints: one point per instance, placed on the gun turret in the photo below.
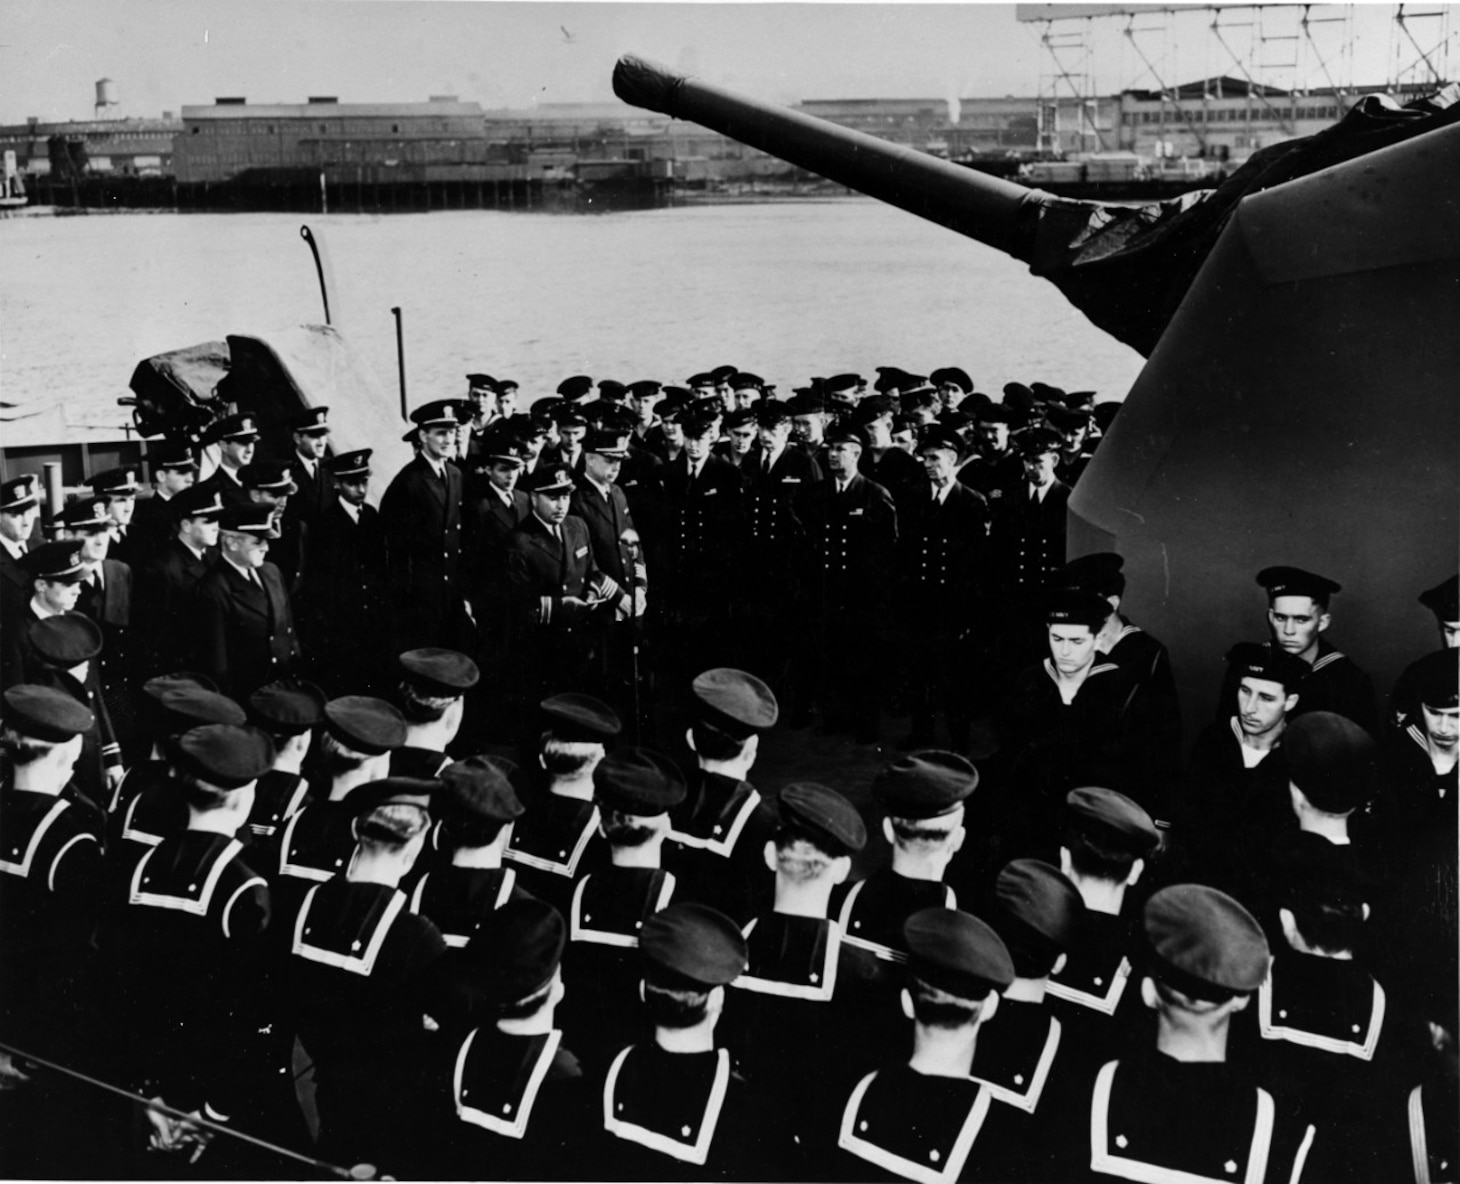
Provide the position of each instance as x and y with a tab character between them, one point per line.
993	211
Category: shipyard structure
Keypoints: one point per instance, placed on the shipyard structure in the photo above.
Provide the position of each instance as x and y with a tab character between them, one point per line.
448	153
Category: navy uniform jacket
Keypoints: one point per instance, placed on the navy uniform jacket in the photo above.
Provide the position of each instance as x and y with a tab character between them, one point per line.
100	752
1096	995
1158	709
167	603
192	1020
148	806
458	900
421	514
345	603
898	472
775	505
1148	1116
871	911
16	588
232	492
1029	538
278	796
997	478
153	526
607	519
247	629
854	543
601	1011
943	547
544	570
487	525
111	609
679	1116
554	843
716	846
51	851
507	1106
1333	683
705	521
314	846
316	494
361	972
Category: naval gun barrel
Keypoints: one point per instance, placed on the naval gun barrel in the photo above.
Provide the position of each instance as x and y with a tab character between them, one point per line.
996	212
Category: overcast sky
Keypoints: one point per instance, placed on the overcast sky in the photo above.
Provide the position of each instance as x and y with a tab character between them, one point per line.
163	54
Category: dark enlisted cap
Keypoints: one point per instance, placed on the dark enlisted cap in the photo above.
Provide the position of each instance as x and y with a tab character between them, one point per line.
507	384
938	436
1039	897
1080	400
610	444
1076	606
845	382
115	483
1067	419
65	640
1312	869
644	388
313	421
185	706
162	683
771	412
741	417
485	380
734	702
238	427
924	784
1443	599
974	404
224	755
570	415
823	817
1332	760
577	386
1203	943
874	407
58	562
20	494
268	477
745	381
1099	573
1037	440
995	413
348	465
1436	677
1252	659
516	952
845	433
639	782
288	707
440	672
957	953
196	502
573	716
254	520
1110	819
548	481
86	515
366	725
1104	413
697	423
393	791
724	373
442	413
702	379
891	378
951	375
695	944
46	714
611	390
477	789
807	402
1018	396
171	456
1294	581
1045	393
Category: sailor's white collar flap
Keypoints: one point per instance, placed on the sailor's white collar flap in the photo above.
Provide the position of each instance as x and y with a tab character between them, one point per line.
457	941
876	948
1105	1162
508	1124
696	1152
1025	1095
853	1125
1105	1004
16	863
361	962
287	866
723	835
562	866
580	929
1362	1050
131	831
195	903
822	982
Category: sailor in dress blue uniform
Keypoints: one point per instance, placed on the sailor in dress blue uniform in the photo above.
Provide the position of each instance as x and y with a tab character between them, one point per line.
718	833
318	838
362	975
557	834
431	695
288	710
635	790
509	1099
1106	842
1444	601
467	881
1182	1109
673	1108
924	1118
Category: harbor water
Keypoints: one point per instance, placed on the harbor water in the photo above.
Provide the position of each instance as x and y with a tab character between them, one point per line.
787	290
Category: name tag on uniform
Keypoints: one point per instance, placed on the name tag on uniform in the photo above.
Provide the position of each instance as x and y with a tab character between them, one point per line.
580	552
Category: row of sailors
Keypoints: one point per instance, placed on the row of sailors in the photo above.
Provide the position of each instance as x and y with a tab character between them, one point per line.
439	890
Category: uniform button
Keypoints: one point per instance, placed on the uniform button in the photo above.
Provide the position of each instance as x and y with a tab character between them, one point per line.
194	888
1121	1141
620	1107
933	1155
814	976
1230	1166
507	1108
684	1130
638	924
562	855
354	945
1356	1029
586	918
1099	982
1282	1015
862	1125
719	829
